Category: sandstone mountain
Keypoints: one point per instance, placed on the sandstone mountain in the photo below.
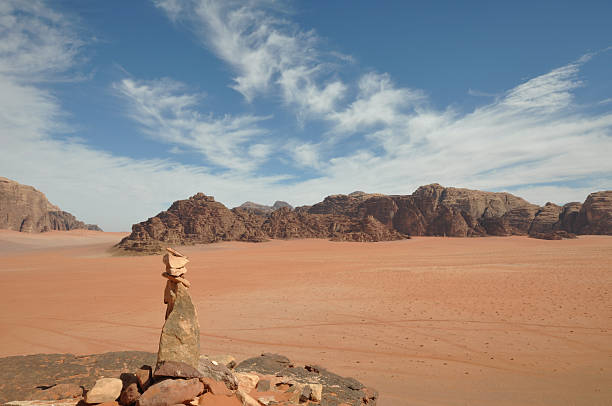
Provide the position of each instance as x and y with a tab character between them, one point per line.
23	208
262	209
432	210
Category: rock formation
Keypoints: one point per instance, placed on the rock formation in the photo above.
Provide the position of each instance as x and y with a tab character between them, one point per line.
262	209
432	210
180	336
595	216
23	208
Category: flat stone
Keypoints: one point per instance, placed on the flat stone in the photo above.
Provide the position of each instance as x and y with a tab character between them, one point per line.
170	392
176	271
104	390
129	395
173	261
246	399
246	381
217	372
216	387
60	402
176	369
180	337
223	359
208	399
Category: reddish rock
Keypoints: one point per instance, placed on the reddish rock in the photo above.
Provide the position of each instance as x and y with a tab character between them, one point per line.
216	387
595	215
170	392
143	375
176	370
546	219
129	395
23	208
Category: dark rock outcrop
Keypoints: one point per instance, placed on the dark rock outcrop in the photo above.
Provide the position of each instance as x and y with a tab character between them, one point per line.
25	209
595	216
197	220
432	210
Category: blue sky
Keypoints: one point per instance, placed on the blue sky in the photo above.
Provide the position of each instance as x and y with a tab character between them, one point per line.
116	109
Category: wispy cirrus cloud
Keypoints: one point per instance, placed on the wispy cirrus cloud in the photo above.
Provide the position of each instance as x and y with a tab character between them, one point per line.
266	51
169	114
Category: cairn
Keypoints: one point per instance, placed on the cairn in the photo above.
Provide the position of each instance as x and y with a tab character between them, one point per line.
180	336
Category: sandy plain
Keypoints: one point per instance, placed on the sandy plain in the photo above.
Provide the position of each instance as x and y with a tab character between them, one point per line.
426	321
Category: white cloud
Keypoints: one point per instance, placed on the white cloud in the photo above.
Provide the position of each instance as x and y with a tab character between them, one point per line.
265	50
169	114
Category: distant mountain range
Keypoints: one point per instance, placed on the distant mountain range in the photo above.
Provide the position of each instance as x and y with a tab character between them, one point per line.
23	208
432	210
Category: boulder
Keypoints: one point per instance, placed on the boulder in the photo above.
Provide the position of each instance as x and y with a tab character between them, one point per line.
171	392
104	390
129	395
180	336
144	377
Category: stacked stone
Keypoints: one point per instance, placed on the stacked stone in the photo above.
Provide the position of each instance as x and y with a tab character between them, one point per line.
175	267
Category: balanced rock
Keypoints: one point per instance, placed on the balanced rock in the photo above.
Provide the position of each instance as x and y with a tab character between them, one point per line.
104	390
180	337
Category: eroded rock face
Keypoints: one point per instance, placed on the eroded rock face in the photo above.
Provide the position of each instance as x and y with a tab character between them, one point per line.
595	216
432	210
25	209
197	220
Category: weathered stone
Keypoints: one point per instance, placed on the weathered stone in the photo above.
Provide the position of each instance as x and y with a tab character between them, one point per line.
180	337
305	394
222	359
263	385
316	391
173	261
176	370
216	387
595	215
170	392
246	381
208	399
246	399
143	375
217	372
267	400
129	394
104	390
39	402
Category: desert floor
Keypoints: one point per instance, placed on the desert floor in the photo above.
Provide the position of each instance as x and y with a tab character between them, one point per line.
427	321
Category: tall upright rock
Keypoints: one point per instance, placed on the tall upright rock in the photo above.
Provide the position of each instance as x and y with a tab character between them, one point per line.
595	216
180	336
25	209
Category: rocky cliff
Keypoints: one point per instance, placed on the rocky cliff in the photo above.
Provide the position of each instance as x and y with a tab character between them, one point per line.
432	210
23	208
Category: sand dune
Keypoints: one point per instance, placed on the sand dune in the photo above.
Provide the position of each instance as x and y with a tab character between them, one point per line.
427	321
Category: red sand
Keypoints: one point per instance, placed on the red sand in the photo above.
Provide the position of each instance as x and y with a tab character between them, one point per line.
427	321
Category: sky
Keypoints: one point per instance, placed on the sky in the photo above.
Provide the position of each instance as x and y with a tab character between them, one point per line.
115	109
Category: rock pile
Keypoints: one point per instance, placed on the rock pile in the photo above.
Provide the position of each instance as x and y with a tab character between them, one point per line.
184	377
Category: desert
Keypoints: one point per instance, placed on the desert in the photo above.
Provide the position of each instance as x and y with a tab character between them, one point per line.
430	320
